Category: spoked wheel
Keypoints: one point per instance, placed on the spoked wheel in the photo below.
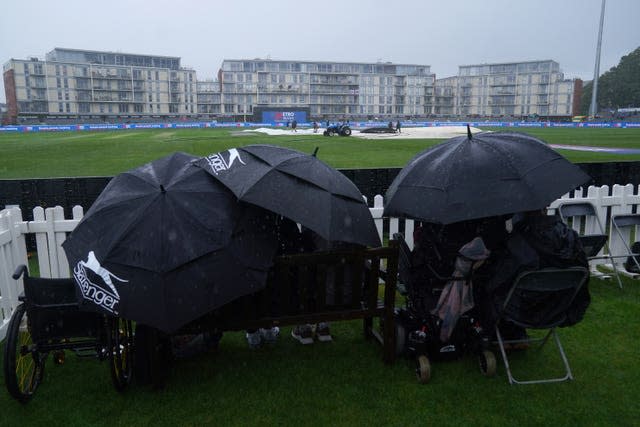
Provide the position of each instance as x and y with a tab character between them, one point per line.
487	361
23	364
120	346
423	369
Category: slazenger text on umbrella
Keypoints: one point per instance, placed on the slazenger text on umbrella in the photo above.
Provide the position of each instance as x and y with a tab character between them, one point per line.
218	163
93	292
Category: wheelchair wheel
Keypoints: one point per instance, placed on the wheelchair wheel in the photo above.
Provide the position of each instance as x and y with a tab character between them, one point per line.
120	352
487	361
23	364
423	369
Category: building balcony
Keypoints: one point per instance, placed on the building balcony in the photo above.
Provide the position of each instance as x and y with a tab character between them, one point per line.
104	76
335	83
333	92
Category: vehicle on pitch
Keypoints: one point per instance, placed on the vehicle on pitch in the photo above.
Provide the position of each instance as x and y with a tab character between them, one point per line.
338	129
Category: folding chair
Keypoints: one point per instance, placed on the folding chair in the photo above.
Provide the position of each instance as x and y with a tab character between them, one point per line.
593	235
540	300
627	224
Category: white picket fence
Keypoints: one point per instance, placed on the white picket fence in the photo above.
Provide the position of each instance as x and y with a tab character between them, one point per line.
50	229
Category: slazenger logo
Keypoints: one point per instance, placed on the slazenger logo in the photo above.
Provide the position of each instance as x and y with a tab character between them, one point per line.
105	297
218	163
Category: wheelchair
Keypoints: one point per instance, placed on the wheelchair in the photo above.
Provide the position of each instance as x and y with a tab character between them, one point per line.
418	330
50	320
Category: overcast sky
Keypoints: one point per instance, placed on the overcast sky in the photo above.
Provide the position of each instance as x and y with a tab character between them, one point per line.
443	34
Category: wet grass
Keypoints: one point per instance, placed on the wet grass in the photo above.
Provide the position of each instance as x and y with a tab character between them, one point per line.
346	383
106	153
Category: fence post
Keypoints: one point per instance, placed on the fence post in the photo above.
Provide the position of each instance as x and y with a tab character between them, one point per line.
13	252
42	246
627	200
376	213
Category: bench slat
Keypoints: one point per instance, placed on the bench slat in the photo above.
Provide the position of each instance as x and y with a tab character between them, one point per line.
319	287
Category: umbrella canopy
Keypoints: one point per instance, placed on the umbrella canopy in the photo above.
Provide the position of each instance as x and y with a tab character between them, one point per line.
483	175
298	186
165	243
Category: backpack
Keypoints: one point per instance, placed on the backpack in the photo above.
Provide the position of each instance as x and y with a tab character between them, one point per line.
630	265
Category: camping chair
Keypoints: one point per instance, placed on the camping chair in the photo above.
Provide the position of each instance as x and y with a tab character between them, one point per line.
594	236
627	224
540	299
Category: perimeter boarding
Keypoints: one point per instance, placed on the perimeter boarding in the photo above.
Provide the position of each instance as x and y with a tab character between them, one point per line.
302	288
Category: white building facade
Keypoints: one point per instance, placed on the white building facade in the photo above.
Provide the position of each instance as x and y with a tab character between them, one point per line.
533	88
331	90
78	83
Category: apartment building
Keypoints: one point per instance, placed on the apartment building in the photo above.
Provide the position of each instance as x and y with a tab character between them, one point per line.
71	83
445	96
517	89
79	85
326	90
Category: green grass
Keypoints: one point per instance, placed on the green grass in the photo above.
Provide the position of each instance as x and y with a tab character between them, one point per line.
46	155
346	383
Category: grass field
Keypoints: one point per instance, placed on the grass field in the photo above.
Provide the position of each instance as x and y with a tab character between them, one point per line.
343	383
46	155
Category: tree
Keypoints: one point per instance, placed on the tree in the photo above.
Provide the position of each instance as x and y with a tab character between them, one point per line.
617	88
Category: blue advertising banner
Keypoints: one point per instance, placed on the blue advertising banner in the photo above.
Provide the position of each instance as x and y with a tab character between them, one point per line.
281	118
284	116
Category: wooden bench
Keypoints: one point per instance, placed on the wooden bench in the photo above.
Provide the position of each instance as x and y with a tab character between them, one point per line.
316	287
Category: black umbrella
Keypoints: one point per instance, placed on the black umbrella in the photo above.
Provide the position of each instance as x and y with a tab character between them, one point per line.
298	186
483	175
165	243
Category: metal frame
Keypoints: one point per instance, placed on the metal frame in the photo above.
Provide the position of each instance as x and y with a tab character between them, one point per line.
549	277
626	220
587	210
